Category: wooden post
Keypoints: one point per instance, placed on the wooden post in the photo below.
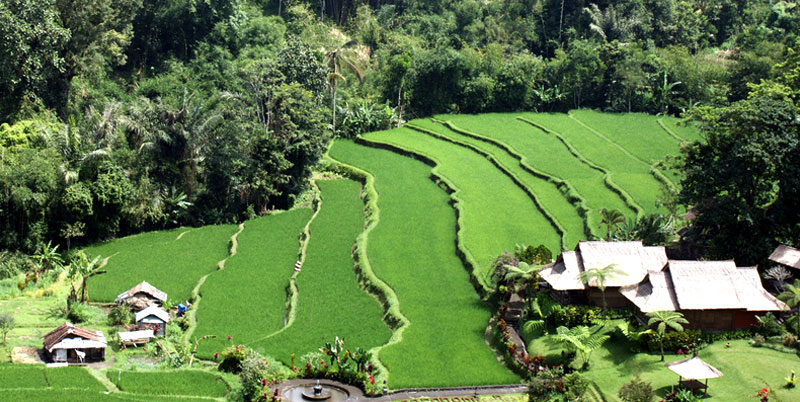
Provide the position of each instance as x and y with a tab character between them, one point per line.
705	390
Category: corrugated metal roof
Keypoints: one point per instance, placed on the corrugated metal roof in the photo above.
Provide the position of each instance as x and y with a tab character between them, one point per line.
70	336
153	311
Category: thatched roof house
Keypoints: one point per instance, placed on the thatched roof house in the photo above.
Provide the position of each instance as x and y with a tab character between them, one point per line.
785	255
153	317
73	344
715	295
141	296
631	257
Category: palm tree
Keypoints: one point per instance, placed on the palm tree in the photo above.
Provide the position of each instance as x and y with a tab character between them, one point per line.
664	319
581	339
612	218
791	296
341	58
611	24
523	274
598	277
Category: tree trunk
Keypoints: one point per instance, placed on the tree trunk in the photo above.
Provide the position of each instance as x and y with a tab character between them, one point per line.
661	345
334	109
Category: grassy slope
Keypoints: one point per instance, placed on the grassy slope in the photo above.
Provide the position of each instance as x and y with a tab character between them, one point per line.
160	258
185	382
412	248
678	127
746	369
327	283
497	213
546	153
629	173
551	199
246	299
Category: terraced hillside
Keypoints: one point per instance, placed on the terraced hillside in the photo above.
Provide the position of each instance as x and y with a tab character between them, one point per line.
412	248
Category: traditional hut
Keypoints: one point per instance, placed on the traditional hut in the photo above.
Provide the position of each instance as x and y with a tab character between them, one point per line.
153	317
712	295
141	296
135	338
72	344
631	257
694	369
786	256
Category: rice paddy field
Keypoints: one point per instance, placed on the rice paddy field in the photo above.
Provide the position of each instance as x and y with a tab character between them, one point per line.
172	261
452	193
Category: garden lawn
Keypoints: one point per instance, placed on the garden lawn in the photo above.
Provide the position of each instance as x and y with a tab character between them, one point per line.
184	382
551	199
246	299
331	303
172	261
547	154
497	214
628	172
745	369
413	249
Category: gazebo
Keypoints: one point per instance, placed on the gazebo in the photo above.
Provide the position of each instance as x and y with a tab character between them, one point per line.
694	369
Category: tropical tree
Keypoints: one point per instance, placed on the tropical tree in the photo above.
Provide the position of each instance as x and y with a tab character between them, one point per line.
598	277
611	219
664	319
611	23
48	258
83	269
581	339
779	274
523	274
339	59
791	296
7	324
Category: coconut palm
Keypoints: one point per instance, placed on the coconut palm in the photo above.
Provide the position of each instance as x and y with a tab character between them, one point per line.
339	59
611	24
598	277
611	218
791	296
664	319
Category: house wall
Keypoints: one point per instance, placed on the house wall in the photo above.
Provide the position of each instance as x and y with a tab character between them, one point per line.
712	320
92	355
614	299
159	328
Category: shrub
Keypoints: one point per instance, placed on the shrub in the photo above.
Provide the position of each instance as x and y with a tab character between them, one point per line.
232	358
78	313
7	323
674	340
637	390
533	255
120	315
768	325
758	340
789	340
575	386
498	268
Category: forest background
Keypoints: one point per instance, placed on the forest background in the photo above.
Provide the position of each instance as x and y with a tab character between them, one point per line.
122	116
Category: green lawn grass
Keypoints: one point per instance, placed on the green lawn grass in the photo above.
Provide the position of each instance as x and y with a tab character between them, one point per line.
184	382
330	301
546	153
171	264
497	214
412	249
630	173
745	369
552	201
247	298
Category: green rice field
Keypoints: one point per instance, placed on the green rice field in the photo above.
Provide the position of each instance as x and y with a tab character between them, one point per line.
184	382
157	257
412	249
246	299
327	282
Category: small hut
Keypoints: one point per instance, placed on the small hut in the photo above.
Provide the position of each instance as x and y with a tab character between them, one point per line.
72	344
786	256
141	296
135	338
153	317
691	370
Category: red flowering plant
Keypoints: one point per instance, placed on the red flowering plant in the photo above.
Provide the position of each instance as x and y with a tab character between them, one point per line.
763	393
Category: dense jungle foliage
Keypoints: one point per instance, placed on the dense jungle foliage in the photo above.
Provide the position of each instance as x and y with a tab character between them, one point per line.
130	115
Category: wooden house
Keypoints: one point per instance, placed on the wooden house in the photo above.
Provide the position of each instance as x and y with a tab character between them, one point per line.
633	259
712	295
72	344
153	317
141	296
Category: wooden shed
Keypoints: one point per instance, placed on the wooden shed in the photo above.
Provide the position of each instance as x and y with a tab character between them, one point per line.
712	295
141	296
135	338
153	317
72	344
